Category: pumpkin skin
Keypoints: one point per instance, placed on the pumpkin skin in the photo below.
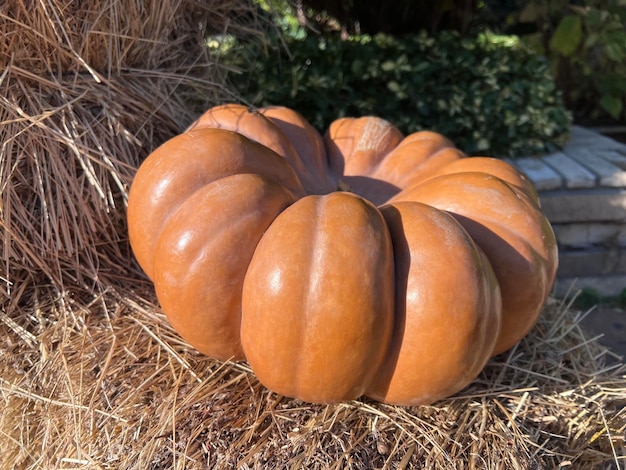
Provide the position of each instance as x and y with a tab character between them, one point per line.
308	144
207	278
282	130
400	291
317	319
510	228
438	345
184	164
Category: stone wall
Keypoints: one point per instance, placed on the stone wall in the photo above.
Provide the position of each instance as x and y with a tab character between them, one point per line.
582	190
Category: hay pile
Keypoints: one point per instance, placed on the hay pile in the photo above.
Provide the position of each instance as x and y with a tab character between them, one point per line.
87	90
110	385
92	375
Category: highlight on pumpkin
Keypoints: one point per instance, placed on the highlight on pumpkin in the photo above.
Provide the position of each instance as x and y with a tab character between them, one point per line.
360	262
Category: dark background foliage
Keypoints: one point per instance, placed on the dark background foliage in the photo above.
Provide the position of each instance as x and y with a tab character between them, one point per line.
583	40
488	94
499	77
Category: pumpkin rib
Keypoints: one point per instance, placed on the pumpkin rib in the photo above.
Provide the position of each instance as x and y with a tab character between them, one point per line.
249	123
308	143
494	167
343	307
400	174
437	349
199	283
254	125
356	145
513	232
183	165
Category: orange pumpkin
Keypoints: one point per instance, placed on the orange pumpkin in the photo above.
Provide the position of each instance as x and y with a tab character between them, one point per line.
363	262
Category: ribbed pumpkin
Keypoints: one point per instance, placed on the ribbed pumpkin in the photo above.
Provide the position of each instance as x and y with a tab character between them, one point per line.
360	263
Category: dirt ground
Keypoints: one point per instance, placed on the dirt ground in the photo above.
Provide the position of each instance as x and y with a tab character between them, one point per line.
609	321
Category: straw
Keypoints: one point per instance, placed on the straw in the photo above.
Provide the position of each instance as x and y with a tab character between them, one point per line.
112	386
87	90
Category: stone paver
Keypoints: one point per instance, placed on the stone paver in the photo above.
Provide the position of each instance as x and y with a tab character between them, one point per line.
582	189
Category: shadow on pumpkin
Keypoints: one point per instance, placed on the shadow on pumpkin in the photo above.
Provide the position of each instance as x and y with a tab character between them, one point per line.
402	264
376	191
523	279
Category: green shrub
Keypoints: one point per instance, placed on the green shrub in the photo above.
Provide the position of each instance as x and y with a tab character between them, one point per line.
488	94
585	43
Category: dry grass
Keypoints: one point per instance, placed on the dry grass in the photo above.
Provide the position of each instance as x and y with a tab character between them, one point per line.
92	375
108	384
105	38
87	90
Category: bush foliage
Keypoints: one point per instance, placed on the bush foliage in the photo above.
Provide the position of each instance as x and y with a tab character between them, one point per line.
488	94
586	46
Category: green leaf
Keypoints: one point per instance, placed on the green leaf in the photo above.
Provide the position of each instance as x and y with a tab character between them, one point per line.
612	104
482	144
620	85
614	52
388	65
535	42
591	40
357	67
567	36
594	18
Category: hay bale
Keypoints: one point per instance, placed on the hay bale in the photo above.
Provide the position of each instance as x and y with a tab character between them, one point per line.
69	153
87	90
105	37
119	389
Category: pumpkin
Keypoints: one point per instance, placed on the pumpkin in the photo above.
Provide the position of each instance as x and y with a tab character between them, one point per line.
361	262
